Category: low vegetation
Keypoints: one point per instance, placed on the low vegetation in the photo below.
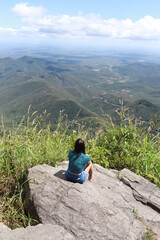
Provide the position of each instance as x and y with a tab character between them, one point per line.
33	142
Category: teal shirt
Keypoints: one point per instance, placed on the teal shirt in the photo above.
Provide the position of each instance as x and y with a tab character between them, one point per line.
77	165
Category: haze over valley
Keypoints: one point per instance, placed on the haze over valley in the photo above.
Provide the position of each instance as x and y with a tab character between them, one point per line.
84	85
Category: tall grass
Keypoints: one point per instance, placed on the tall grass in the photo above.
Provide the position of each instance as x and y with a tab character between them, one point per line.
33	142
129	146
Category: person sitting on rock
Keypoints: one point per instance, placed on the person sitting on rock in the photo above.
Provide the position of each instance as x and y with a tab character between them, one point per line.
80	164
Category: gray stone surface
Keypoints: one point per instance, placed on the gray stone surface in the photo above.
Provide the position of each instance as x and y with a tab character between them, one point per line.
39	232
4	228
106	208
143	190
114	206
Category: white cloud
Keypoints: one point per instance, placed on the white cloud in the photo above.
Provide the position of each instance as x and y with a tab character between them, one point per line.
26	11
35	21
8	31
95	26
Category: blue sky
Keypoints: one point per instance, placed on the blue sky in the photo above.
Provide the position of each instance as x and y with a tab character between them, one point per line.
135	24
119	9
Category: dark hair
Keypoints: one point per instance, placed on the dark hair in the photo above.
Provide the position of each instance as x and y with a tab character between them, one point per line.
79	146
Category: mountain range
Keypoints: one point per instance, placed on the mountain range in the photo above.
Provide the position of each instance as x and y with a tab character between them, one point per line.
86	87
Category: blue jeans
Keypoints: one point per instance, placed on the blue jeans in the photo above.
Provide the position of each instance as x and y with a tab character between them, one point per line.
81	178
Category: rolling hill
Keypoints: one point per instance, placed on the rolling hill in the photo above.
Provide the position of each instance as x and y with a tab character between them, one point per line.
28	81
88	86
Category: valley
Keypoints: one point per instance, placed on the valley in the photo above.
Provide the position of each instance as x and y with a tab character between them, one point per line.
83	86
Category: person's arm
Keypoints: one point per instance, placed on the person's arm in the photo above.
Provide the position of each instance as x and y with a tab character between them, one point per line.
87	164
89	169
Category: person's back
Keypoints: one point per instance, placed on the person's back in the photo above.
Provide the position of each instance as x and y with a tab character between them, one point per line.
79	164
77	161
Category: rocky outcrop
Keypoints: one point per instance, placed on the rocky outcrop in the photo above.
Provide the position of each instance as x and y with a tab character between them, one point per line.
39	232
143	190
114	206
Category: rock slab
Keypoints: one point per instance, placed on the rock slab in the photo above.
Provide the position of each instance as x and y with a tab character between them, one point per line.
143	190
39	232
114	206
107	208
